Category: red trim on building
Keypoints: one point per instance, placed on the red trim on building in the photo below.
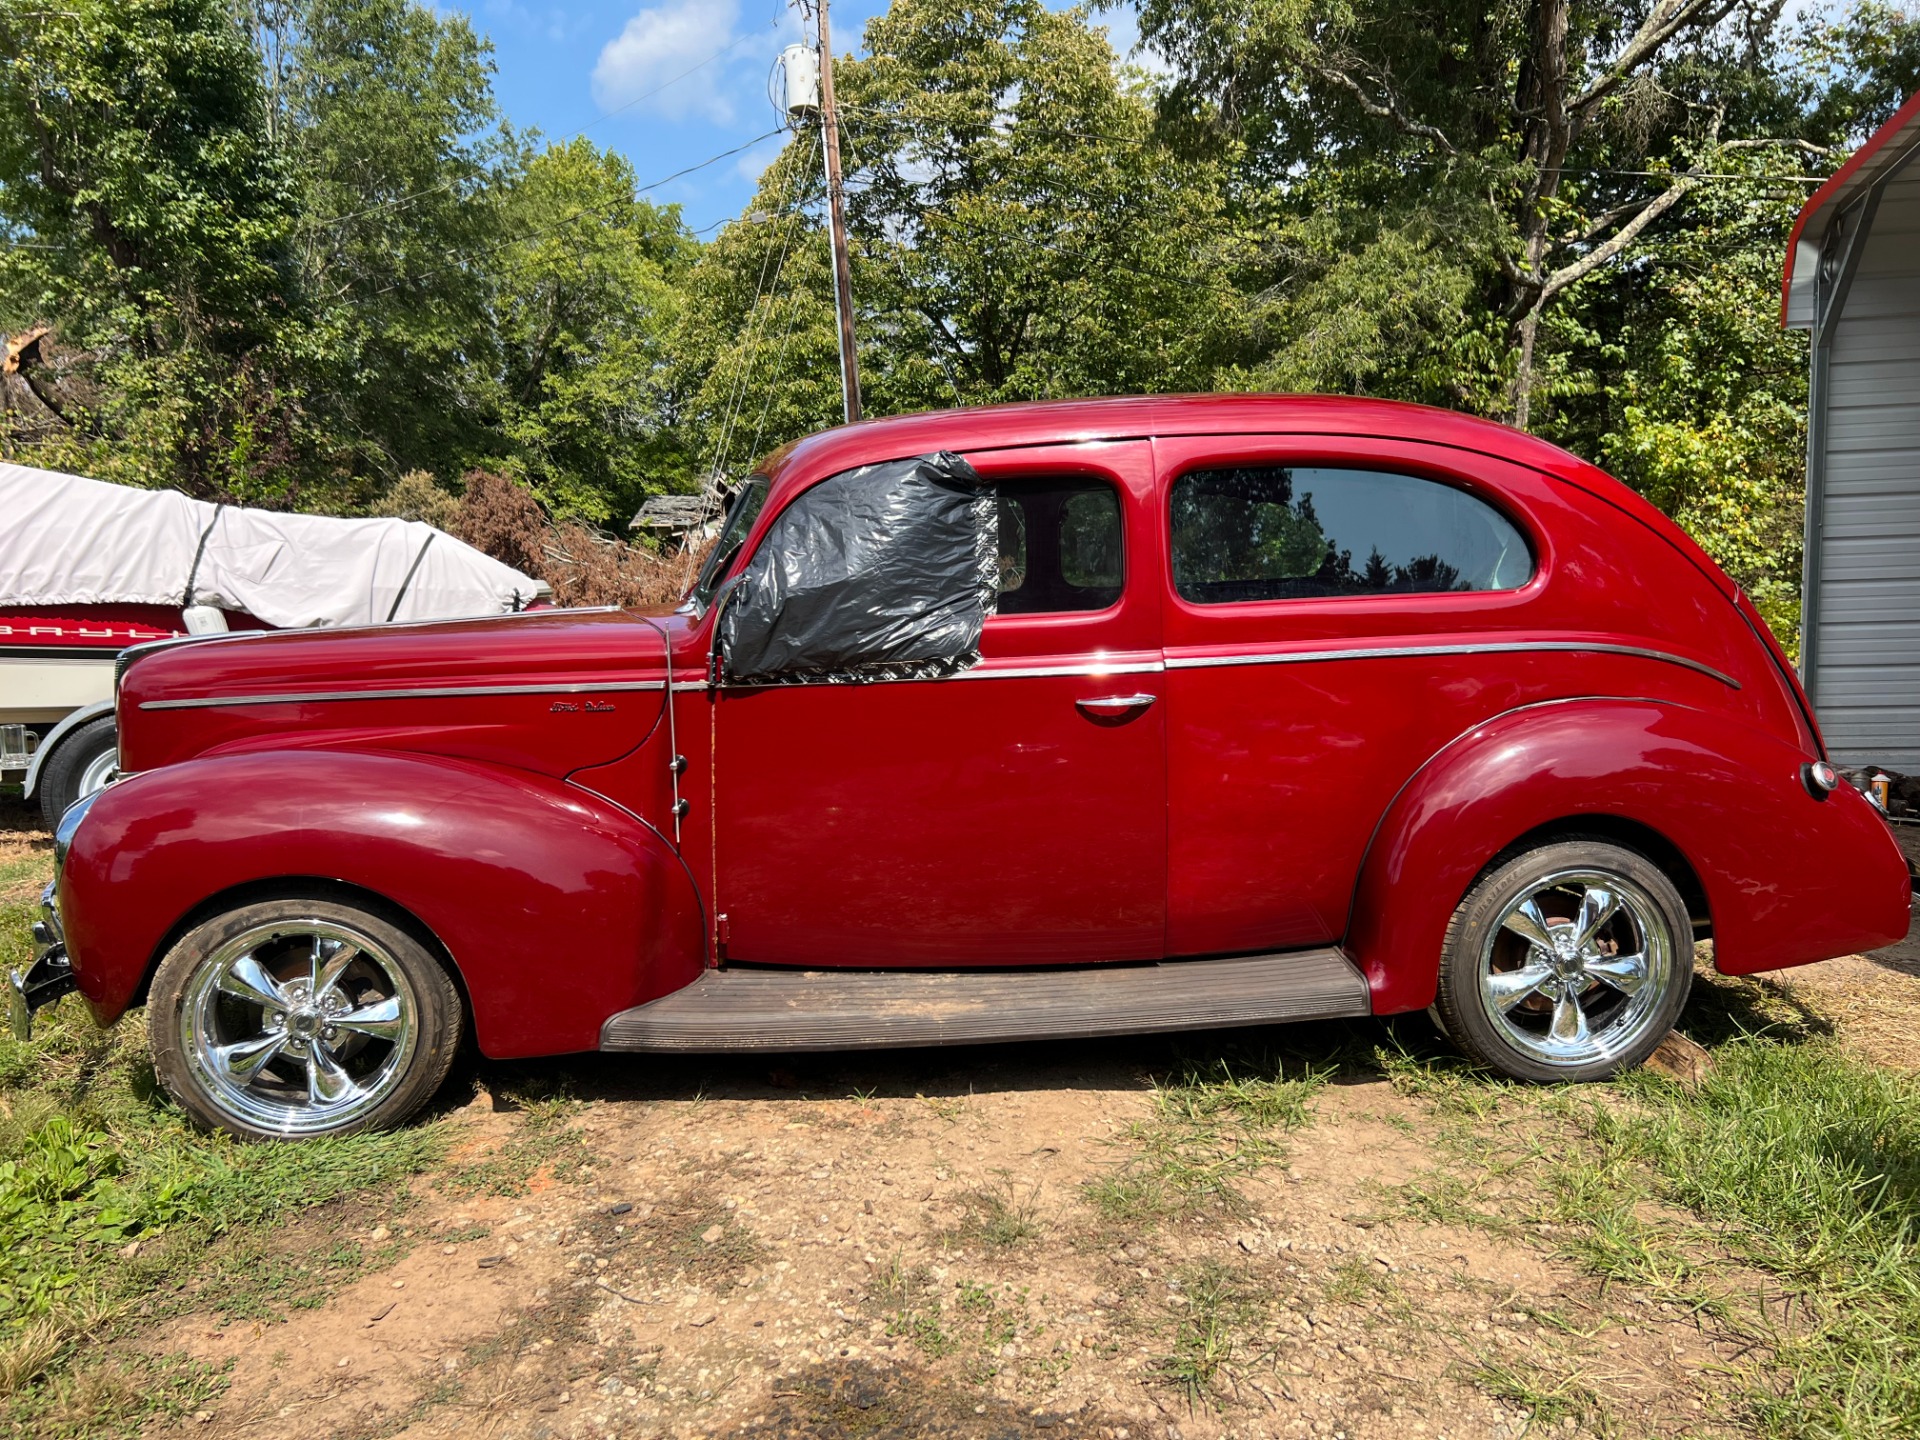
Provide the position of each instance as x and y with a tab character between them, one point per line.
1818	200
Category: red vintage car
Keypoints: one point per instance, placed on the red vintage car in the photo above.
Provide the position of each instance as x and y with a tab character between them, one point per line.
1050	720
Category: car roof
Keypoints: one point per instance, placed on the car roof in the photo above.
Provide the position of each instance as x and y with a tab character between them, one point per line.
804	462
1120	417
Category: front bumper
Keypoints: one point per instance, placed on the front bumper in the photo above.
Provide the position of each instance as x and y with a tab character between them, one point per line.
48	978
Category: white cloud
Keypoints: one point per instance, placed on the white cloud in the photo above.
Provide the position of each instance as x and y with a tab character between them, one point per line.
639	66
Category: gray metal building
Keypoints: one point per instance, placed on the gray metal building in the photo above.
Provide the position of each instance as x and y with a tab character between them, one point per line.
1853	281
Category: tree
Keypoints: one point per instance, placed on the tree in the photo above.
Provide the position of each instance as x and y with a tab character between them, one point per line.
585	297
147	214
384	112
1017	231
1504	155
1020	224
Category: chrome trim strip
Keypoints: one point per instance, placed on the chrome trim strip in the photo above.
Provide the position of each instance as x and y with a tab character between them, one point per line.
1491	647
1128	667
442	692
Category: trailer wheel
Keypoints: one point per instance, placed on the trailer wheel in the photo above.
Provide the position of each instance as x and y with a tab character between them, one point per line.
83	763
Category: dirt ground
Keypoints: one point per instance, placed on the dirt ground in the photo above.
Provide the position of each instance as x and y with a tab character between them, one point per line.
917	1244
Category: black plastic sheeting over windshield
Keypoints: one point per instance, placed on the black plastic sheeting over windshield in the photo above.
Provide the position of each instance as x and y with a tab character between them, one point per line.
887	572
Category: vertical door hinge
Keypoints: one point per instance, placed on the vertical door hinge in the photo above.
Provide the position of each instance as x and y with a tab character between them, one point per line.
721	935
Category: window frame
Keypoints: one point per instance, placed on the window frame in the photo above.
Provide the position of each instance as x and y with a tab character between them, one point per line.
718	568
1064	476
1468	472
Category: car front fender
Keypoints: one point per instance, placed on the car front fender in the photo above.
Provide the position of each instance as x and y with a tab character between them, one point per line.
1788	877
556	907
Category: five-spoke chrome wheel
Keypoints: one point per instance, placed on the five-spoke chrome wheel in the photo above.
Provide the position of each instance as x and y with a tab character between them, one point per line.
1569	962
1575	968
301	1026
292	1020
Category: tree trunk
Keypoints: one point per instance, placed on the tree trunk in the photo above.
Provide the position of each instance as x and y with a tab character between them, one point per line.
1525	332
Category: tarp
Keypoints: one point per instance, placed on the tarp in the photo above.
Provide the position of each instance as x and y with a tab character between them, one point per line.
65	540
884	572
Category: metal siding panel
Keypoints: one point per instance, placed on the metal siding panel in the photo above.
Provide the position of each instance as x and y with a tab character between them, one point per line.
1869	602
1893	425
1867	557
1868	642
1873	688
1869	382
1896	225
1876	335
1881	513
1873	472
1867	637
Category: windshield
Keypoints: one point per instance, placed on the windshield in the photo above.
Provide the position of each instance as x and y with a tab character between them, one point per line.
746	506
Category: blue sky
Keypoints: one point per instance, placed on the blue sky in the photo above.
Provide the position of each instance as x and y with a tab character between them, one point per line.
608	68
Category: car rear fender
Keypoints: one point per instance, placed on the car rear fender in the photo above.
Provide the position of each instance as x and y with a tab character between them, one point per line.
1787	878
556	907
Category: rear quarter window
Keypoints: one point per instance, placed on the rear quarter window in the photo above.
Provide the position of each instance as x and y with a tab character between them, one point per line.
1284	532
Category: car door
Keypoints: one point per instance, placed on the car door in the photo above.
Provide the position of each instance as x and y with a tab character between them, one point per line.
1337	610
1013	813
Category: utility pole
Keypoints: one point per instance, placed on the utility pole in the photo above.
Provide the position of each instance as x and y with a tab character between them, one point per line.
837	228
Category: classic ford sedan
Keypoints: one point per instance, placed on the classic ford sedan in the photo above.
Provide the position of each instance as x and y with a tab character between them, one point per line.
1043	721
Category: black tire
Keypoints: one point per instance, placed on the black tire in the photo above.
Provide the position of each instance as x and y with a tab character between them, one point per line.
1540	1013
198	1000
63	778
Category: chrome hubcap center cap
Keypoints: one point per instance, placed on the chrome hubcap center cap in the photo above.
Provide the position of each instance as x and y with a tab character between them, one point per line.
1567	961
304	1022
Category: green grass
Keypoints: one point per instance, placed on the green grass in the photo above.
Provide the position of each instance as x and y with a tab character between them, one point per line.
1800	1163
1218	1312
1776	1200
1212	1124
995	1216
93	1158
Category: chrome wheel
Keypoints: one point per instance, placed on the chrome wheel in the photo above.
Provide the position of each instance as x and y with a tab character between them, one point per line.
1578	968
98	772
299	1026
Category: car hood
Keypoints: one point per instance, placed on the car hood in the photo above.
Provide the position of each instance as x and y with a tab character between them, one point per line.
549	690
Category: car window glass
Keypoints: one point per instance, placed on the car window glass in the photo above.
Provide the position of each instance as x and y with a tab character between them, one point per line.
1060	545
1292	532
746	508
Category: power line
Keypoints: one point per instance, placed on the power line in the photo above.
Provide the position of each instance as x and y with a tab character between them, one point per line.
792	204
583	211
1080	133
450	183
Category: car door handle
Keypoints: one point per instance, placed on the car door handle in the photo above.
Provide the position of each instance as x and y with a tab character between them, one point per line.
1110	707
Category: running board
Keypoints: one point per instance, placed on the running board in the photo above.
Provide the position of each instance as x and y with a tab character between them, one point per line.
771	1009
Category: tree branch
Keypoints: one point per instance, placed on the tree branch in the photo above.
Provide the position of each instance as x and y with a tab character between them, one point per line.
1782	143
1600	224
1663	22
1387	109
1623	237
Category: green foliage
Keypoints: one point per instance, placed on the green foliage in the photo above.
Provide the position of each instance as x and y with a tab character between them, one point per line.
93	1158
584	309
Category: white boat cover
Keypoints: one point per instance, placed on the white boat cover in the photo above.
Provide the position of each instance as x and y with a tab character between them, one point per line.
66	540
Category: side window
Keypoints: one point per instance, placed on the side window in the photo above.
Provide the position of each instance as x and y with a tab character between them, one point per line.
1060	545
1291	532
